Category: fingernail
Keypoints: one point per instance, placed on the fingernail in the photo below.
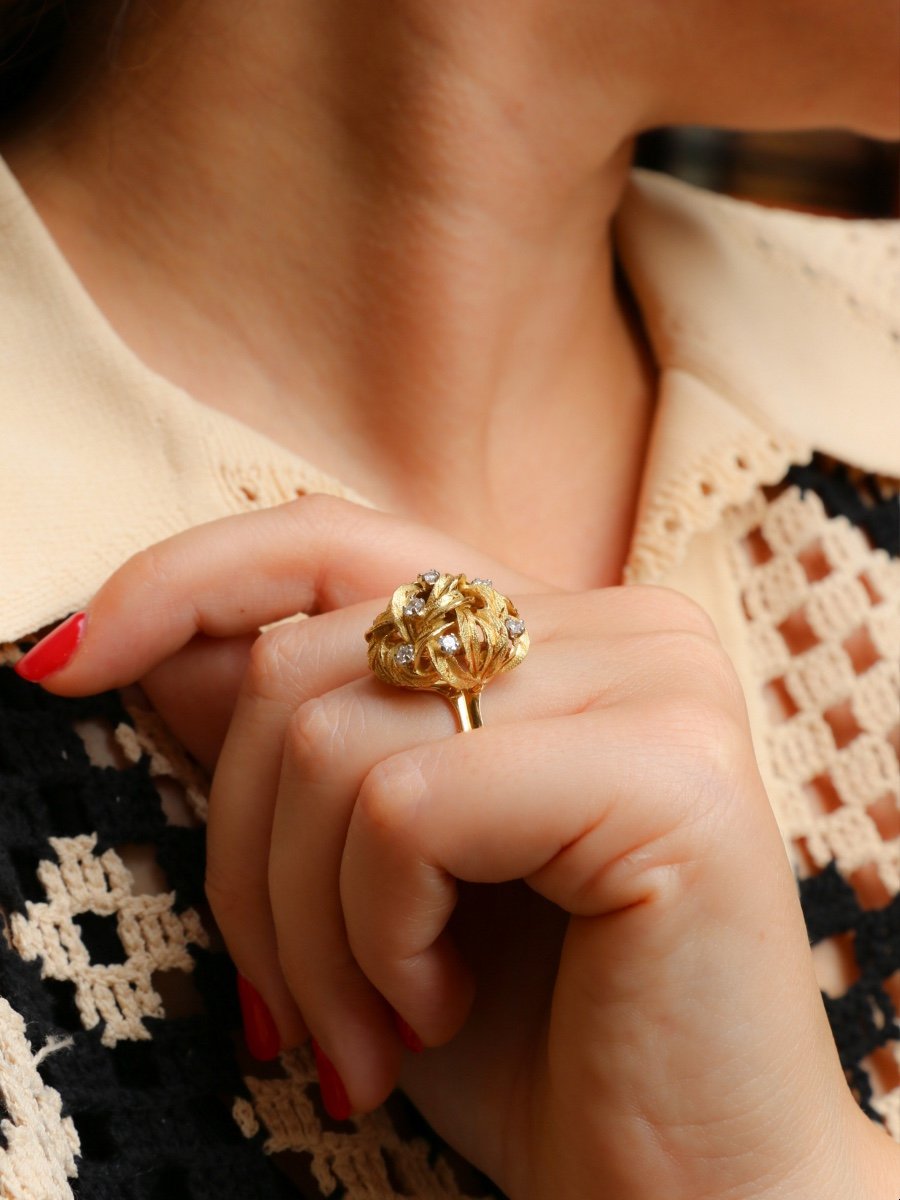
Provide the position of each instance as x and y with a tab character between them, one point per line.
260	1031
408	1035
334	1094
52	652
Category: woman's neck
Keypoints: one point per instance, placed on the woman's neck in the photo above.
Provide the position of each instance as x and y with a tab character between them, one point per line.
384	242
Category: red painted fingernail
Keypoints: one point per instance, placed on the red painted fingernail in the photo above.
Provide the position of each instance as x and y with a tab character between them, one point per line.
260	1031
408	1035
334	1094
52	652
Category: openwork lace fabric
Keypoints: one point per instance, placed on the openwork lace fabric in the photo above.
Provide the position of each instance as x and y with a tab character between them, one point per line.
123	1074
817	561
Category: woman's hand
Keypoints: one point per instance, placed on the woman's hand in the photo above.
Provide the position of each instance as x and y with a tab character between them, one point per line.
584	909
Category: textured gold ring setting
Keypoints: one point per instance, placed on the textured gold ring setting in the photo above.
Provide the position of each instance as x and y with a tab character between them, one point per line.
449	635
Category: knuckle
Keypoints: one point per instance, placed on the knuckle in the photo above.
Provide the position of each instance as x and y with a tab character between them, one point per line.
226	900
708	738
695	706
317	733
693	661
275	660
712	724
676	611
319	510
325	520
390	793
151	569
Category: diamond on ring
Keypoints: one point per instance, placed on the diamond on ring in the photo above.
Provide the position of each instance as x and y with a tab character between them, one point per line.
449	643
515	626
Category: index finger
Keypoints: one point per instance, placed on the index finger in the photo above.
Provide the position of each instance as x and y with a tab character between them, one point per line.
230	576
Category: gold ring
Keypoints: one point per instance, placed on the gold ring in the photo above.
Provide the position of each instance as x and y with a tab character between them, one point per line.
449	635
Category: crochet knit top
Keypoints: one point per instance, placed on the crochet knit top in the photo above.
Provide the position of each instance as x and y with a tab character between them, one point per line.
769	495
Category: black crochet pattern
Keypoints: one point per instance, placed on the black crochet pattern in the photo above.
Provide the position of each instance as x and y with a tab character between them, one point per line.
865	500
863	1020
153	1117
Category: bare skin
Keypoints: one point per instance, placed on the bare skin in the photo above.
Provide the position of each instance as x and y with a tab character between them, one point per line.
384	239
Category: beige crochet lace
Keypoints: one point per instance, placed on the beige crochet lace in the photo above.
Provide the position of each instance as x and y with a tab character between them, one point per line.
823	614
